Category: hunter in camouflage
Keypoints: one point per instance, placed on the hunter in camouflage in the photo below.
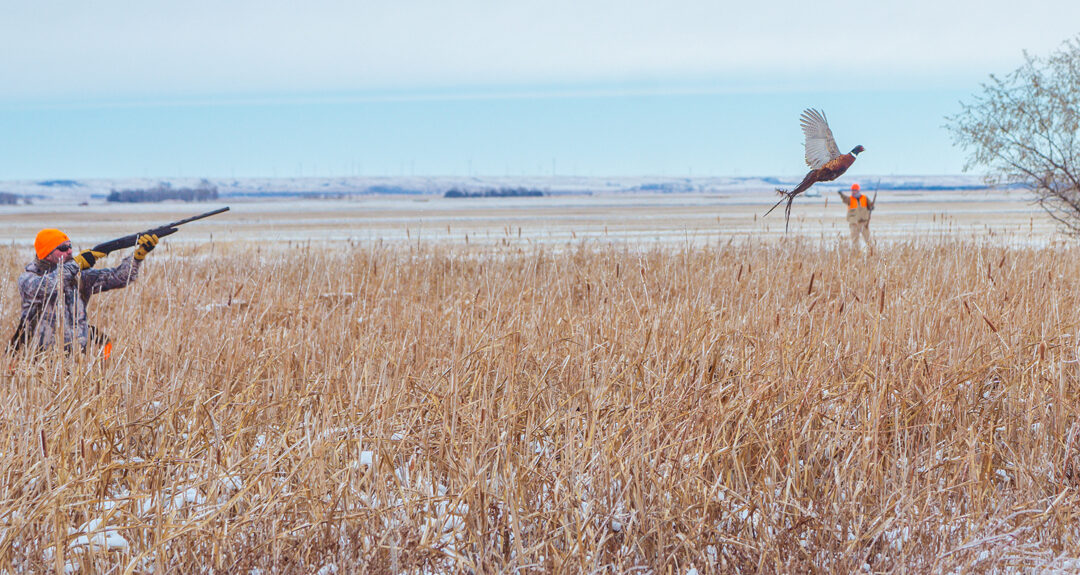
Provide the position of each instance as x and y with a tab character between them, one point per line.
56	289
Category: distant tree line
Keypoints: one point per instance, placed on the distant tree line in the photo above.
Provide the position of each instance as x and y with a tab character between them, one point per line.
60	183
666	187
164	191
392	190
10	199
494	193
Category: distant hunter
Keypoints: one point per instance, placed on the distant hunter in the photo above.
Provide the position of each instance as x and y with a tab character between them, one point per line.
858	215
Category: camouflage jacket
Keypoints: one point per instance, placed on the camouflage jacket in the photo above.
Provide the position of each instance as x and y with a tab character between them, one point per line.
40	286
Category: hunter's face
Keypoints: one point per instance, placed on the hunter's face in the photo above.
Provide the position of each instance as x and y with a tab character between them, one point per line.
61	254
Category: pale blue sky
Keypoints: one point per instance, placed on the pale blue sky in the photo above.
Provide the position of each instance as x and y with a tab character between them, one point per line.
201	88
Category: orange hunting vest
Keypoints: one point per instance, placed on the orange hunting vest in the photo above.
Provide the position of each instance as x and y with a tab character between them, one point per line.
855	203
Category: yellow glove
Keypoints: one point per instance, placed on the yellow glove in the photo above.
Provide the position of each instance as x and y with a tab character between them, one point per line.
87	258
147	242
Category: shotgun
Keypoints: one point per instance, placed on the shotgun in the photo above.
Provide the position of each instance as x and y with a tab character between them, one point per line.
873	202
130	241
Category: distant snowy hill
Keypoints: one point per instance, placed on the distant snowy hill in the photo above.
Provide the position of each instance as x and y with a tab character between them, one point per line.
255	188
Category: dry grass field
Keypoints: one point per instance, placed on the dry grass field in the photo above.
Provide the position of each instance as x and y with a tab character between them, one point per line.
750	407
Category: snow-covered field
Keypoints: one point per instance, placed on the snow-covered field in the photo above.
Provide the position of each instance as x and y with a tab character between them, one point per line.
715	210
89	189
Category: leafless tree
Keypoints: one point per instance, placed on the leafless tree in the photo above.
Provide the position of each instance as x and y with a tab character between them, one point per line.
1022	128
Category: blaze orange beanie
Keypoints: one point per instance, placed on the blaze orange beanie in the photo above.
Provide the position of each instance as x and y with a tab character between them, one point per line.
48	240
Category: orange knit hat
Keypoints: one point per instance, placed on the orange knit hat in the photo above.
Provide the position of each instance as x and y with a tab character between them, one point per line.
854	187
48	240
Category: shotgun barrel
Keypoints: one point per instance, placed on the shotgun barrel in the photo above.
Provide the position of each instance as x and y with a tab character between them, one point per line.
170	228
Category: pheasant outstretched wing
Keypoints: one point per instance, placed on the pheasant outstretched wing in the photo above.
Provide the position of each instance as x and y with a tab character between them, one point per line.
820	145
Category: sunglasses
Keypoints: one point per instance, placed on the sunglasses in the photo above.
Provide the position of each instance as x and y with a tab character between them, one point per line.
63	248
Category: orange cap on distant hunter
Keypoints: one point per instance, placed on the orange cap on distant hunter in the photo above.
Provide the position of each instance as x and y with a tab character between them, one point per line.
854	187
48	240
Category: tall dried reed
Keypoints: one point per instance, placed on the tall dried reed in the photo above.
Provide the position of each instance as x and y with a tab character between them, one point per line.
780	407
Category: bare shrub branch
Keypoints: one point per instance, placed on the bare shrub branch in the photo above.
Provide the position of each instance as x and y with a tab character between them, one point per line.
1023	129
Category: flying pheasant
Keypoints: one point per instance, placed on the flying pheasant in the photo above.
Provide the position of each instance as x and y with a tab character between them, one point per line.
822	155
